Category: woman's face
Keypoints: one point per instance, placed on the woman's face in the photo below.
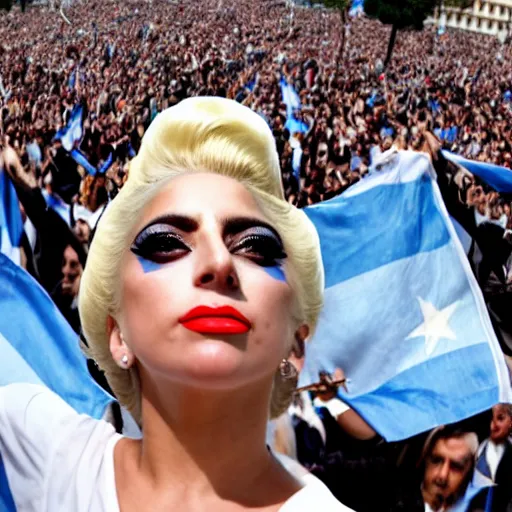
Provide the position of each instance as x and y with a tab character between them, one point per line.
204	242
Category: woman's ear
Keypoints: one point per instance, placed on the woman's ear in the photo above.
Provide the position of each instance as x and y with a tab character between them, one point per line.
119	350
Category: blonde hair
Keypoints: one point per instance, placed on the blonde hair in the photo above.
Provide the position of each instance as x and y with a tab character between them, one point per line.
198	135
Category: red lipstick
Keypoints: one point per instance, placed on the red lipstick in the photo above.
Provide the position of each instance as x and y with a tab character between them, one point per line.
221	320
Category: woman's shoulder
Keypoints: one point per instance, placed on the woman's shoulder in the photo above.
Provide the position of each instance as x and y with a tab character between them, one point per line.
47	448
314	495
18	398
33	410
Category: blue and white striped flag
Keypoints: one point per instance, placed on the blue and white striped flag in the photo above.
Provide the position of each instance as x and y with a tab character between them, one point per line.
292	101
499	178
73	131
38	346
81	159
404	317
356	8
11	223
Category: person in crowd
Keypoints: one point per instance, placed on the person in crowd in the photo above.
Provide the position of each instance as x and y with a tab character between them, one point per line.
447	465
495	459
328	401
345	452
65	295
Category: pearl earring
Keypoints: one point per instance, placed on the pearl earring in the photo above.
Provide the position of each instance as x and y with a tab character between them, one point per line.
124	361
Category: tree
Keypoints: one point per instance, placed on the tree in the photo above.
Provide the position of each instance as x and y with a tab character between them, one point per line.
342	6
459	4
400	14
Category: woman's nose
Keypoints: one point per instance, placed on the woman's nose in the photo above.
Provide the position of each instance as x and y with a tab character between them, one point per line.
215	266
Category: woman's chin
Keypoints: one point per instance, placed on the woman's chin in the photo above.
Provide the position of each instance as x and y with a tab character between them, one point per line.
214	362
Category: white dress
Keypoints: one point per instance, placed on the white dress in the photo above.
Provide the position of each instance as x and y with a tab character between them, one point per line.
57	460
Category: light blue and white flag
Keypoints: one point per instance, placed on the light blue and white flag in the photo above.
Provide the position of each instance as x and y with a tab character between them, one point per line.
11	223
81	159
73	131
404	317
38	346
356	8
499	178
292	101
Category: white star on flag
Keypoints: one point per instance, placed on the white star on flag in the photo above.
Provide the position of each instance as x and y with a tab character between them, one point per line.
435	325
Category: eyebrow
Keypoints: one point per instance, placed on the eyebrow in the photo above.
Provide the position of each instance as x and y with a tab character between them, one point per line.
234	225
181	222
230	225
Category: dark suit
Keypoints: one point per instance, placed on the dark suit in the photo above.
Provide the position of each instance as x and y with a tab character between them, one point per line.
501	497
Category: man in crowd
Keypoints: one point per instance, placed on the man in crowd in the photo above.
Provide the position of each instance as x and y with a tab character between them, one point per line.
495	459
448	462
65	294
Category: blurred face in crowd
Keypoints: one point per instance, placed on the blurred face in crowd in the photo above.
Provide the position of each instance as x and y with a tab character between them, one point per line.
501	424
447	469
322	155
82	231
71	272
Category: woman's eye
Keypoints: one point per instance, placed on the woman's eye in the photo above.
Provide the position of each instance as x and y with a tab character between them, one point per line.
159	247
264	250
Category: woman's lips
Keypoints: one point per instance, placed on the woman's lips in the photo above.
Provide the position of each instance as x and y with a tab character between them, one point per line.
220	320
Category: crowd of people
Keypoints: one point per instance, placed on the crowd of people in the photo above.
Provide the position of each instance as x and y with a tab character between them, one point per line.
123	62
128	61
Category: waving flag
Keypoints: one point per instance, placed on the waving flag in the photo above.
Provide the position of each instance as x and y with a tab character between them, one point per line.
356	8
499	178
81	159
37	346
11	223
292	101
404	317
73	131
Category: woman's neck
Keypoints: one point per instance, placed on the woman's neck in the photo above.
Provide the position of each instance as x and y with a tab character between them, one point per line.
212	444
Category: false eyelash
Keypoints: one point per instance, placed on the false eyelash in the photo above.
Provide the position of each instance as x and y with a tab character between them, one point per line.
155	243
155	229
270	248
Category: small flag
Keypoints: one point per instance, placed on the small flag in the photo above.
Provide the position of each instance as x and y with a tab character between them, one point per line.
81	159
73	131
292	101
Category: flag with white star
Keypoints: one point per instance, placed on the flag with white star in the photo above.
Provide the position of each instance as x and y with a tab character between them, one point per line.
404	317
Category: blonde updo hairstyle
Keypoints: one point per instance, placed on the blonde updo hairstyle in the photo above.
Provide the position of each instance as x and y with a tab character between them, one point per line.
198	135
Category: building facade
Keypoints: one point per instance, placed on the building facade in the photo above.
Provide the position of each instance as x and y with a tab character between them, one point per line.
493	17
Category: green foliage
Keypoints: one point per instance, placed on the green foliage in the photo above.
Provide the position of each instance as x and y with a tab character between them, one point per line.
400	13
459	4
6	5
341	5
